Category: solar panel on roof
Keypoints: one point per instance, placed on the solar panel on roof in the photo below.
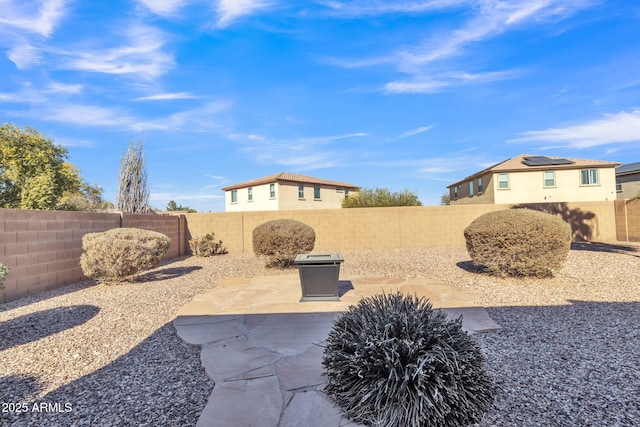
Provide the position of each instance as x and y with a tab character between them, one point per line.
545	161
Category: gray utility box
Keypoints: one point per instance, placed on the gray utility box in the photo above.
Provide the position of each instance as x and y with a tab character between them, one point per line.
319	276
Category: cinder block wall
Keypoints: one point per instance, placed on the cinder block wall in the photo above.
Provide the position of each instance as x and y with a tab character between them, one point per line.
628	220
43	248
398	227
169	225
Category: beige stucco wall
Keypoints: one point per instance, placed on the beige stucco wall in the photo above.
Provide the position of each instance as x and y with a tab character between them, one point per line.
528	187
630	186
286	198
487	195
261	199
330	198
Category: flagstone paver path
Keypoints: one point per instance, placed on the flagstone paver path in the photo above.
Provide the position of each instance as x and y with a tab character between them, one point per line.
263	348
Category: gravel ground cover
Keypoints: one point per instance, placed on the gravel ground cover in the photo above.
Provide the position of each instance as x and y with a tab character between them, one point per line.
568	353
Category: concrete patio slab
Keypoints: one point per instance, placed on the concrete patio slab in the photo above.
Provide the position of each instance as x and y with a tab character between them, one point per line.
263	347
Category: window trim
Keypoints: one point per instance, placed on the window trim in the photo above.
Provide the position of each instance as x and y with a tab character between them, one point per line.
234	196
589	176
618	184
508	181
272	191
300	192
544	179
250	194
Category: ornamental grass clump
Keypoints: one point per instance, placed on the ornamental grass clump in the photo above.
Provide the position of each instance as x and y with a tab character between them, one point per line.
120	254
281	240
519	242
393	361
207	246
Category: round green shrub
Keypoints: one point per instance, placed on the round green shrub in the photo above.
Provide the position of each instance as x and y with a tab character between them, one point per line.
392	360
281	240
120	254
519	242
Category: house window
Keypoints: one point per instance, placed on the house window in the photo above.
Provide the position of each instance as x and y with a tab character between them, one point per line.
272	191
234	196
480	185
455	192
471	188
316	192
549	178
346	193
503	181
618	185
250	194
589	177
300	191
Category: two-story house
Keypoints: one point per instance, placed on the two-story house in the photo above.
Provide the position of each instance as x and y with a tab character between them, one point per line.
538	179
286	191
628	180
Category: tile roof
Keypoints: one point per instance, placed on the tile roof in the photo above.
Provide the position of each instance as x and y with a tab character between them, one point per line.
517	164
290	177
628	168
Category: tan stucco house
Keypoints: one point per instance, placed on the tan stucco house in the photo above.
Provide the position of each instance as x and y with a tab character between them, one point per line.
286	191
628	180
538	179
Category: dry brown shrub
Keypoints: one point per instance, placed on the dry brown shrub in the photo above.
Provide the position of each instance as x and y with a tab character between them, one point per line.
207	246
119	254
519	242
281	240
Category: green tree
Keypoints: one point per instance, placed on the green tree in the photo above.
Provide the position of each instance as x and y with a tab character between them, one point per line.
380	197
133	189
172	206
34	172
88	198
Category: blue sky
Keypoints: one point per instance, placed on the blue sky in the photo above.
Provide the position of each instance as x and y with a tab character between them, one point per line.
397	94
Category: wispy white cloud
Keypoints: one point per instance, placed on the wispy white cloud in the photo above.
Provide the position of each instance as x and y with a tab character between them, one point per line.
616	128
57	87
24	56
300	153
141	55
493	18
164	8
428	64
364	8
231	10
86	115
413	132
40	17
167	96
70	142
440	81
205	117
